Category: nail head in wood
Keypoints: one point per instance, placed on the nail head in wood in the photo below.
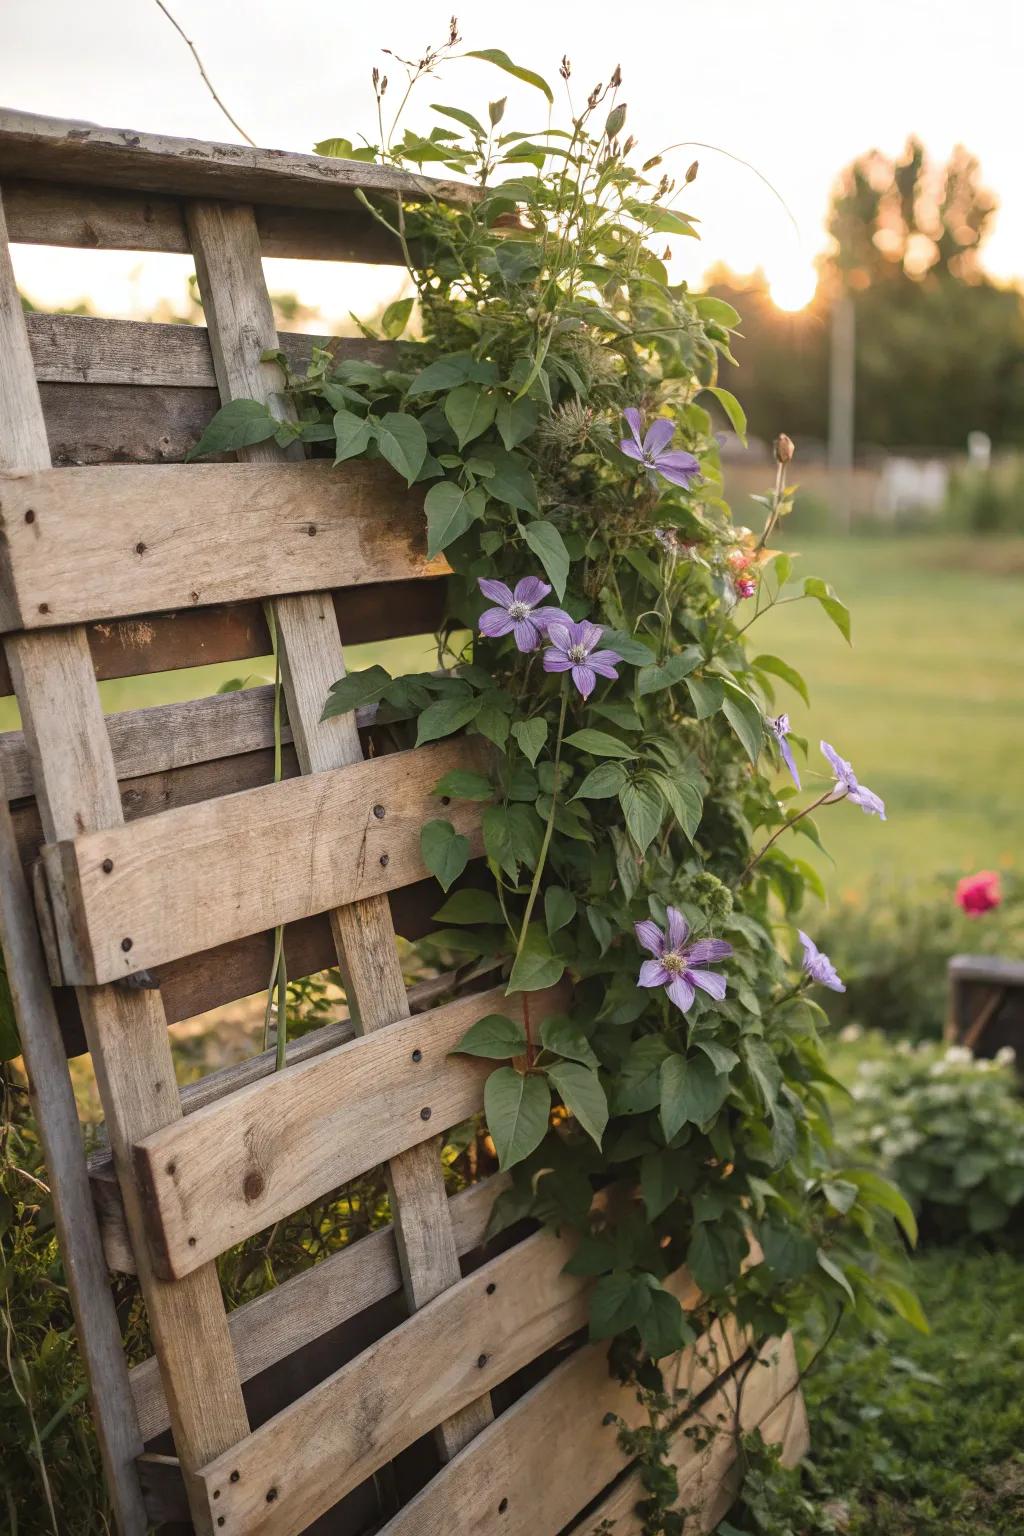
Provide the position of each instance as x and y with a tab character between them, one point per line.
424	1114
107	866
379	812
126	945
417	1054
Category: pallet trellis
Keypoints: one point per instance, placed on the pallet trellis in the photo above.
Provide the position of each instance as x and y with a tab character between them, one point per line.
157	841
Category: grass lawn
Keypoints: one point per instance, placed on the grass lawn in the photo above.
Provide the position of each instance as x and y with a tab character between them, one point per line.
928	704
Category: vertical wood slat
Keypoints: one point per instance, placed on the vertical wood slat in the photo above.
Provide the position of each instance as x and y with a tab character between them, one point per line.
76	790
225	243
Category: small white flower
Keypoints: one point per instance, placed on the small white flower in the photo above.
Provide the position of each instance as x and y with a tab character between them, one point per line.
850	1033
1006	1056
959	1055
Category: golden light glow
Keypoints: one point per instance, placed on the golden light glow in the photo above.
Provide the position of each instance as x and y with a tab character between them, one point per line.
792	286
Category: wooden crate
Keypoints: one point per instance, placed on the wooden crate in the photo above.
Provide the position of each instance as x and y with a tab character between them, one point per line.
156	840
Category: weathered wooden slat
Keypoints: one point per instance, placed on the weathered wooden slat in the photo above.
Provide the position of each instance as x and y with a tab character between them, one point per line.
308	1305
53	1100
241	325
230	1170
472	1336
763	1393
41	148
76	787
84	349
281	852
91	218
104	542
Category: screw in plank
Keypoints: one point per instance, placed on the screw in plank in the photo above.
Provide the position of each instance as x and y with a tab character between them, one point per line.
44	607
30	516
492	1288
481	1361
424	1114
107	866
417	1054
503	1506
311	530
271	1495
385	860
172	1169
126	945
234	1477
140	548
379	812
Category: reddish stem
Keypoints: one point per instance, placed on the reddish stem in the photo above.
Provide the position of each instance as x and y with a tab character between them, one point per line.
530	1048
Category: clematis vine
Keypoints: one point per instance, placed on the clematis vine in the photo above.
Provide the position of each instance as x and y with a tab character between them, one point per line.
517	612
818	965
677	966
848	787
779	727
571	649
652	451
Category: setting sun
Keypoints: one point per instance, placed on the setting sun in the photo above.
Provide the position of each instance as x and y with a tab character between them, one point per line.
792	287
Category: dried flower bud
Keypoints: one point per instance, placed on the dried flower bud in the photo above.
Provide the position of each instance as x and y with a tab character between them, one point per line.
496	111
383	85
615	120
565	68
649	165
616	79
630	144
691	172
375	77
594	97
662	187
784	448
666	254
453	32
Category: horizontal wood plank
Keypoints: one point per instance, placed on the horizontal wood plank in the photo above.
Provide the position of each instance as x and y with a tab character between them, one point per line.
459	1345
134	896
99	543
93	218
85	349
308	1305
239	1165
34	147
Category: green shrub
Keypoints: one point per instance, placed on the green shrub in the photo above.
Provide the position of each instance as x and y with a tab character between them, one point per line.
987	500
945	1127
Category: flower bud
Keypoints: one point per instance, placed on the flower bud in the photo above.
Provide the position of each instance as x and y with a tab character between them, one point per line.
616	118
565	68
784	448
649	165
691	173
616	79
496	111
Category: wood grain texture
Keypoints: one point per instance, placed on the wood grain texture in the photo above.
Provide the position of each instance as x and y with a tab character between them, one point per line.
85	1274
91	218
465	1341
76	789
41	148
313	1302
98	543
281	852
237	1166
85	349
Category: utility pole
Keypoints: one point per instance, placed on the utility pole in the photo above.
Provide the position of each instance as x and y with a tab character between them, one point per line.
841	407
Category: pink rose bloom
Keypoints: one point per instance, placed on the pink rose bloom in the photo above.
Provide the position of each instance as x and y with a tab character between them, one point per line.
979	893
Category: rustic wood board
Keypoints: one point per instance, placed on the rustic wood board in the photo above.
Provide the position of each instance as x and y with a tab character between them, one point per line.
281	852
475	1334
234	1168
98	543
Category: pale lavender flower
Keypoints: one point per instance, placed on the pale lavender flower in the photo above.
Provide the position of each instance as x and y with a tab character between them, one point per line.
818	965
848	787
652	451
677	966
571	649
779	728
517	612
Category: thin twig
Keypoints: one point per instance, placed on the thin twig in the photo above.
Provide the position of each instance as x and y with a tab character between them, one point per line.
206	79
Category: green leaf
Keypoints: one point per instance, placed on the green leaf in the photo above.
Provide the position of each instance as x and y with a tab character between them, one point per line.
659	1183
745	718
495	1037
764	1069
471	907
461	784
511	482
450	510
499	57
667	673
684	800
732	408
549	547
559	907
710	308
444	717
638	1086
603	782
517	1109
612	1305
713	1257
515	420
707	694
905	1304
448	372
644	810
835	1273
352	435
445	851
236	425
788	1252
663	1329
356	688
344	149
600	744
692	1092
536	966
720	1056
632	650
878	1191
403	442
580	1090
492	721
837	611
782	669
531	736
564	1037
498	843
396	317
469	411
465	118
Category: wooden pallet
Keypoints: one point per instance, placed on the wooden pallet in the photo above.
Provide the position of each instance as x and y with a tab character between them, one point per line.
157	840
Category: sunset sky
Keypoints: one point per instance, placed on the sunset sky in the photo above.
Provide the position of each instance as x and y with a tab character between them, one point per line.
798	87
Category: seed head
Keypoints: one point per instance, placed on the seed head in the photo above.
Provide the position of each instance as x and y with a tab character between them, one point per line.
453	32
616	79
691	172
565	68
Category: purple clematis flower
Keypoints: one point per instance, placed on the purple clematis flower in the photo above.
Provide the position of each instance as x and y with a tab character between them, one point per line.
676	966
818	966
571	649
848	787
517	612
652	451
779	728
